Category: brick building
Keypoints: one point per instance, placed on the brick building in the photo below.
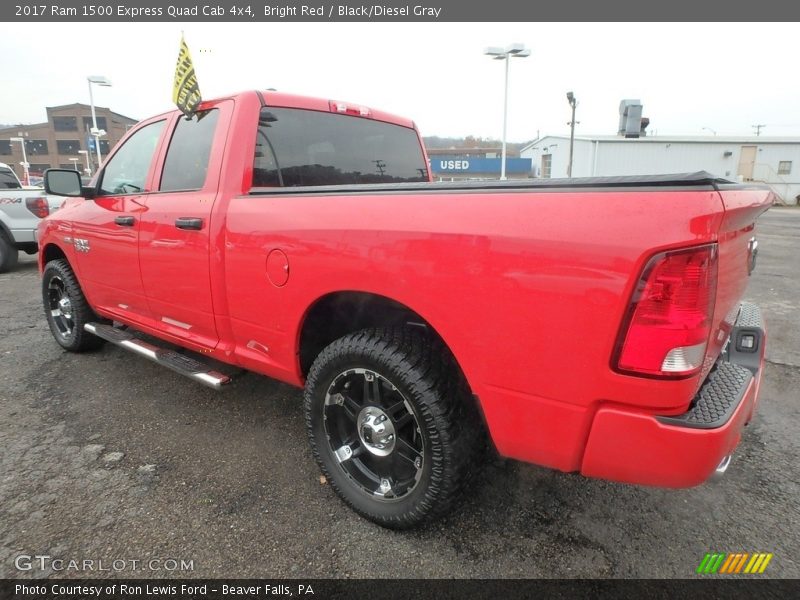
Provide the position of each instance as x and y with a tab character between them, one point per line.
53	143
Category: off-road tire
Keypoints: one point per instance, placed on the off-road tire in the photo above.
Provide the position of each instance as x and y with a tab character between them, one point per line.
78	339
426	374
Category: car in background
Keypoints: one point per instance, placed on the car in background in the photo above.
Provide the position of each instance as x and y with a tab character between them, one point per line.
34	181
21	209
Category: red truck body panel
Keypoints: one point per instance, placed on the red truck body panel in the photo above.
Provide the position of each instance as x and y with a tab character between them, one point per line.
497	268
527	287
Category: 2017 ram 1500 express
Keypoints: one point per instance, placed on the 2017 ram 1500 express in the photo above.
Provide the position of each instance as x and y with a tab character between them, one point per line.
589	325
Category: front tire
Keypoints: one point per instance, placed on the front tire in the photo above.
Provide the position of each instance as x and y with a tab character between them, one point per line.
66	308
392	425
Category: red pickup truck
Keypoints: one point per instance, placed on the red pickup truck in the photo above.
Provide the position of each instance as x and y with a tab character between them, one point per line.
588	325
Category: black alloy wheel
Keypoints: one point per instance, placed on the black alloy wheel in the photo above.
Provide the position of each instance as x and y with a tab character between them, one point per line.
392	424
66	308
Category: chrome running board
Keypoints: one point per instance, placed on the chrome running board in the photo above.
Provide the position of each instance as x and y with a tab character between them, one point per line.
175	361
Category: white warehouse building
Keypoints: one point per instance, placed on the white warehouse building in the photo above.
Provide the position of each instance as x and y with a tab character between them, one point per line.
771	160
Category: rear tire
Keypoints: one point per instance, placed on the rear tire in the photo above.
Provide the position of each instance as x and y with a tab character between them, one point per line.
66	308
392	425
9	256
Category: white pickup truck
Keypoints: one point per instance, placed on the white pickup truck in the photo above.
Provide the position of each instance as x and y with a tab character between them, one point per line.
21	209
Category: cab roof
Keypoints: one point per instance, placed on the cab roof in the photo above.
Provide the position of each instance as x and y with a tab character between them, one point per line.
283	100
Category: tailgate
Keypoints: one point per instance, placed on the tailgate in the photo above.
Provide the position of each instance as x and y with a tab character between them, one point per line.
737	257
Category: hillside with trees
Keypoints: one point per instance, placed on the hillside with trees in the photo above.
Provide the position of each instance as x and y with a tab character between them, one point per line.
470	141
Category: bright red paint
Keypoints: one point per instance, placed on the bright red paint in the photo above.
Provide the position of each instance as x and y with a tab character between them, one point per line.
528	289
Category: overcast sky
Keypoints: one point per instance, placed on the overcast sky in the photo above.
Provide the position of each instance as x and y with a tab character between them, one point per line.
688	76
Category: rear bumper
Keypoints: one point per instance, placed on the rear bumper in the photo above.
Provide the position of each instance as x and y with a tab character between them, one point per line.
684	450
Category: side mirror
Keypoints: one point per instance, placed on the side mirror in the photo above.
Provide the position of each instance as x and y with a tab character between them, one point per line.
65	182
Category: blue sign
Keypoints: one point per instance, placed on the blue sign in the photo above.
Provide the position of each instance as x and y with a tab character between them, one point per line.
90	143
460	164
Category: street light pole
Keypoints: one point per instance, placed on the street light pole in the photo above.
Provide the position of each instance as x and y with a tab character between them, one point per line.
88	166
99	80
505	125
26	177
512	51
94	124
573	102
75	162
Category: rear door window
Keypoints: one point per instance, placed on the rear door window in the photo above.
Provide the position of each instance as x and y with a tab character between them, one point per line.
297	147
186	165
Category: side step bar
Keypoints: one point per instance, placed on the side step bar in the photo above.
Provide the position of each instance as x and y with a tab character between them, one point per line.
180	363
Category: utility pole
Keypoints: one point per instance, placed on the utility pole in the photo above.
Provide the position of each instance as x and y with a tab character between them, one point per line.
758	129
573	102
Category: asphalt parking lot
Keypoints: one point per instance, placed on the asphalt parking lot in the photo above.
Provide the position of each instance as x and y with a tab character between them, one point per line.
106	456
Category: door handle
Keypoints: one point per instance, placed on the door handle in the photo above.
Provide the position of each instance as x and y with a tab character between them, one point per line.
125	221
192	223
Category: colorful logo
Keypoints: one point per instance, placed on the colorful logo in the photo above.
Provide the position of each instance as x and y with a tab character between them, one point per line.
734	563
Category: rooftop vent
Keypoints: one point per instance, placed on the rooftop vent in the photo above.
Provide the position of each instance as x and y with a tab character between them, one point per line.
631	123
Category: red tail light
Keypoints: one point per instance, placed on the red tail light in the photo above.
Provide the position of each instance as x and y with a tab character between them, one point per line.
38	206
669	320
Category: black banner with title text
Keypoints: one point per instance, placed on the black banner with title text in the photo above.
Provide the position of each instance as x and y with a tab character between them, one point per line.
395	11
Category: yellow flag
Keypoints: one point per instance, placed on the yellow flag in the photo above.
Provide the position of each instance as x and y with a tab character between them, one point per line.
186	90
